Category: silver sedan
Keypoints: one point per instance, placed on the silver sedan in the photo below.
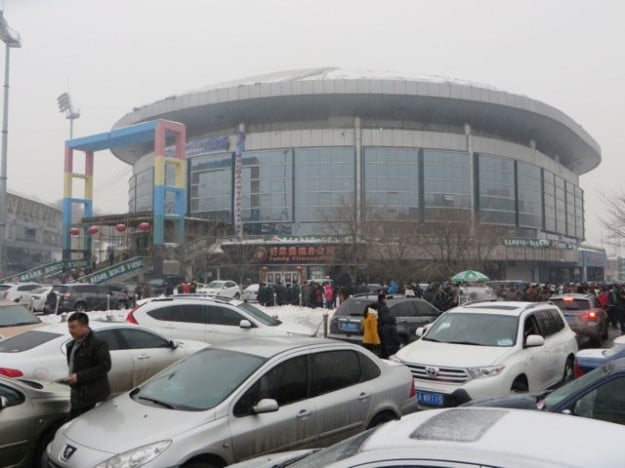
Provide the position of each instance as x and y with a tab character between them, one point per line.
30	413
240	399
136	353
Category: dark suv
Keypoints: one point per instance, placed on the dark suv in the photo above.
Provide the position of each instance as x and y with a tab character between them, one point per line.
410	312
585	317
83	296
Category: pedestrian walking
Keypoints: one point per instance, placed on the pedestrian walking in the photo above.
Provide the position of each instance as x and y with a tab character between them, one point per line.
391	342
89	362
369	325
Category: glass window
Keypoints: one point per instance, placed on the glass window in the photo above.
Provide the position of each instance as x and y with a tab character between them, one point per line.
333	370
223	316
606	402
560	205
14	314
496	189
391	182
286	383
141	339
211	185
333	167
558	322
447	179
549	201
189	313
369	369
162	313
530	195
403	309
111	338
425	309
474	329
545	322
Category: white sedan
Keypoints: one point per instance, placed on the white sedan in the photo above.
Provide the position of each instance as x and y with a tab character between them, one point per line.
35	299
221	288
136	353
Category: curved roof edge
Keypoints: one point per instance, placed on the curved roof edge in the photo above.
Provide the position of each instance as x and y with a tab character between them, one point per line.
336	81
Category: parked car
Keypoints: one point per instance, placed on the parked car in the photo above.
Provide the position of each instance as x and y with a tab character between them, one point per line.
488	349
410	313
599	394
35	299
468	437
15	318
250	293
210	319
238	400
136	353
589	359
159	286
585	316
83	296
30	414
221	288
15	290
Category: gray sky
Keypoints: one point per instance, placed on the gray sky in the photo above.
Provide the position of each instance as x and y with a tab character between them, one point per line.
117	54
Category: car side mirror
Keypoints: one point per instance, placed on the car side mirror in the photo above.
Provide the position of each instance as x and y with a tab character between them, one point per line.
245	324
173	344
419	332
4	402
533	341
266	405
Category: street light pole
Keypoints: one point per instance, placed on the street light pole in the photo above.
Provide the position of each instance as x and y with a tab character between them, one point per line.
11	39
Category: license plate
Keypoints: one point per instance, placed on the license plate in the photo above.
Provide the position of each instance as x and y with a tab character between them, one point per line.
430	398
349	326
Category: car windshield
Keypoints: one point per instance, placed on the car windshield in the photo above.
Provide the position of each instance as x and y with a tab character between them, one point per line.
216	284
474	329
26	340
259	315
199	382
563	392
337	452
14	315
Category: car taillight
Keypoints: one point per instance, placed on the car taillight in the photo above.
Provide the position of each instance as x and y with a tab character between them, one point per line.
413	390
11	372
130	318
578	371
67	295
592	315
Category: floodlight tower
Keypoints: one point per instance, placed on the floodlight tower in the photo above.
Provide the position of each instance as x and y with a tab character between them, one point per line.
71	113
11	39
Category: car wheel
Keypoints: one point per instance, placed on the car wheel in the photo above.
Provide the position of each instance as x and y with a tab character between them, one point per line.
567	375
202	464
381	418
519	385
80	306
237	296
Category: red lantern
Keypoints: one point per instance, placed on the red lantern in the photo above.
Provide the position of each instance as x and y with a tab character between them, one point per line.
74	231
120	227
144	226
92	230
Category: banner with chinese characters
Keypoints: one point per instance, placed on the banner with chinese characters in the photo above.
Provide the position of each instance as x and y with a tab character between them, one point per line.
295	254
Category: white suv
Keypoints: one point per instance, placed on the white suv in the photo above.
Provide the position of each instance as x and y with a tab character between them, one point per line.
489	349
210	319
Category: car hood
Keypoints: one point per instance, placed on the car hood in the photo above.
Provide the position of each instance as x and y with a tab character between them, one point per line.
590	354
122	424
452	355
292	329
514	400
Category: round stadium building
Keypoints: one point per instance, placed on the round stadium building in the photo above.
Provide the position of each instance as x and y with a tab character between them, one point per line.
303	162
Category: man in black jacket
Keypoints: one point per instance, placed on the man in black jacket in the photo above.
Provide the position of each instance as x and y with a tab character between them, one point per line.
89	361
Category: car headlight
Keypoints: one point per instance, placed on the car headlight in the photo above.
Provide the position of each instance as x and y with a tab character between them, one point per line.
136	457
487	371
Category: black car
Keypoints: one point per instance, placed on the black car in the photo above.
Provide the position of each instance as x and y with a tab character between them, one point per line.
599	394
83	296
410	313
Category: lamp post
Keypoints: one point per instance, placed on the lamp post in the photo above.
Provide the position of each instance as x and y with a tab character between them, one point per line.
11	39
71	113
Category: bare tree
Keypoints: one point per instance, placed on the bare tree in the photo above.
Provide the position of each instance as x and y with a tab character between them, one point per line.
614	221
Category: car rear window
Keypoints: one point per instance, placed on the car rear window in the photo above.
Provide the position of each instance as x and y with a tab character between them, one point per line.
354	308
572	304
60	289
15	315
26	340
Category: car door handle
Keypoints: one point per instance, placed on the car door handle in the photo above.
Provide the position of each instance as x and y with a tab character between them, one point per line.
364	396
303	413
143	356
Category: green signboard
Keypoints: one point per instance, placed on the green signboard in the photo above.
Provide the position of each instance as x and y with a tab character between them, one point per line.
134	264
46	271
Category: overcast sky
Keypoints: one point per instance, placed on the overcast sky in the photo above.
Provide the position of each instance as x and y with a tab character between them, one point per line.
117	54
